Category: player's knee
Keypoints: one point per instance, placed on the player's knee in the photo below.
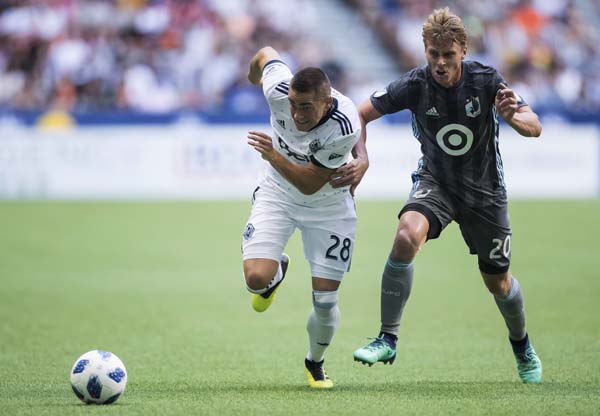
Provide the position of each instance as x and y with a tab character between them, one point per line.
253	280
325	307
256	279
406	245
259	272
498	284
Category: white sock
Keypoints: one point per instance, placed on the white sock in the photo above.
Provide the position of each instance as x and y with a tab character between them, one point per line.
322	322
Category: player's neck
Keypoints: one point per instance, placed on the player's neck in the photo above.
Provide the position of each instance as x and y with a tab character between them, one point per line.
332	107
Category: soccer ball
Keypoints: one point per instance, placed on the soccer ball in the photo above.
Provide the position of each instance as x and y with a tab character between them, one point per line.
98	377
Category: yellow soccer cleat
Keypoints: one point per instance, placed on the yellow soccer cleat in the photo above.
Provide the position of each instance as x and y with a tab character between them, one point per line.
261	303
316	375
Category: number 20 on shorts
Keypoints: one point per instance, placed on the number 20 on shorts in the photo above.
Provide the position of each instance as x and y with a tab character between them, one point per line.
500	247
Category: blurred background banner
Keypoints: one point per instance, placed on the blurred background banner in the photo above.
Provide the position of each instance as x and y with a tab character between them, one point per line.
214	162
149	98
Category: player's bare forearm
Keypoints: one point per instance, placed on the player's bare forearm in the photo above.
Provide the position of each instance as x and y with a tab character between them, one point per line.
522	119
359	151
526	122
258	62
307	179
353	172
366	114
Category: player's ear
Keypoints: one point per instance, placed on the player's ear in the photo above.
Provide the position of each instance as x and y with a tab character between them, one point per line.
464	53
329	101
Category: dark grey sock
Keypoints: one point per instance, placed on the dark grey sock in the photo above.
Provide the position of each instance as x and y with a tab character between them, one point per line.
513	311
396	284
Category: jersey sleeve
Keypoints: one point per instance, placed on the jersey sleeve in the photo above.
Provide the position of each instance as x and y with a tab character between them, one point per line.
499	79
276	78
336	151
396	96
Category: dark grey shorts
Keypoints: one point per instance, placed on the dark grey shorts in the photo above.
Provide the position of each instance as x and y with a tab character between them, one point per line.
485	230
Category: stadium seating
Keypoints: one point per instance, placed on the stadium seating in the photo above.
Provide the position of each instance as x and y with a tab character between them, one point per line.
159	57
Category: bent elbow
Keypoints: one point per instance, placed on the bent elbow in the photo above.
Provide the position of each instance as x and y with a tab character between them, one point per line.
536	128
261	55
266	51
536	131
530	130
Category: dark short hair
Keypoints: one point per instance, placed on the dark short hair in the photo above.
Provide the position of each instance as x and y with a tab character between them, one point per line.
311	79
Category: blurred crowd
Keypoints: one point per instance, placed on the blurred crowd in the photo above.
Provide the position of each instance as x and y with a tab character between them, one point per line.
144	55
166	55
549	50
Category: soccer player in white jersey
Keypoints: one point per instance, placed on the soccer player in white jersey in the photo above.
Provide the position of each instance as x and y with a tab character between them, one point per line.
314	131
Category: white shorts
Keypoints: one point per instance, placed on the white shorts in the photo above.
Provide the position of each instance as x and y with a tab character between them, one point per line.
327	231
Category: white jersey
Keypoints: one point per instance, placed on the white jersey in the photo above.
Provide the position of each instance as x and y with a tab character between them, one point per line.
328	144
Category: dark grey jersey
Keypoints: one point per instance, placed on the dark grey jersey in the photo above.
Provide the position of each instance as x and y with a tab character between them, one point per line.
457	128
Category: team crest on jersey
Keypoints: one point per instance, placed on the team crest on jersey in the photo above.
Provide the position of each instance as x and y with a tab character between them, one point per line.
473	108
281	123
248	232
315	146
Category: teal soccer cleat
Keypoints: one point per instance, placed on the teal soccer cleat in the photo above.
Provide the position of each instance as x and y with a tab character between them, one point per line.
529	366
379	349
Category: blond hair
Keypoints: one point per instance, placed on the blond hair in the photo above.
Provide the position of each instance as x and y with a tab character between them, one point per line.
442	27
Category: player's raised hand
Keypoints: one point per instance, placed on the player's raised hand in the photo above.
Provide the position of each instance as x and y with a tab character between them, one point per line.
262	143
506	102
349	174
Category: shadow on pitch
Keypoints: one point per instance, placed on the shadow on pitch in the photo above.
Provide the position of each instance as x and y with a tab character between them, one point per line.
424	389
440	389
427	389
417	389
264	388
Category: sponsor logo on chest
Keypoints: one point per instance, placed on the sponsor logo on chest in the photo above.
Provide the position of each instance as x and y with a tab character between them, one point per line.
291	154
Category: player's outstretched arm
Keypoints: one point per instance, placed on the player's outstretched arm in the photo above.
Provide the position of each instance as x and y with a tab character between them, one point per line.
522	119
353	172
307	179
262	57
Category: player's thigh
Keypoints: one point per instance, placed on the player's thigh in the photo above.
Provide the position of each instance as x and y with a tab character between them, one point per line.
488	234
429	199
328	240
325	285
268	228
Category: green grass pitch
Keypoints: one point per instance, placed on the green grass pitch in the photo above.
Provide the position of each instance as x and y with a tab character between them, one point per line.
161	286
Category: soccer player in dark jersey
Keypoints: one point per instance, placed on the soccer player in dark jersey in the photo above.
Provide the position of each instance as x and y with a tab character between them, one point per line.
455	106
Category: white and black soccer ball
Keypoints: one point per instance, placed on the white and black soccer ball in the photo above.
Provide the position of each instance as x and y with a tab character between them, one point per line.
98	377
